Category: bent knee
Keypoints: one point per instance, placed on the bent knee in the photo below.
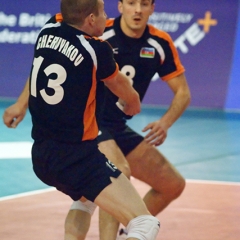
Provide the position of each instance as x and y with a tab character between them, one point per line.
178	188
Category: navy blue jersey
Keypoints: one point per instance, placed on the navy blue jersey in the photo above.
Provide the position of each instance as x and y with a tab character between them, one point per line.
65	82
140	59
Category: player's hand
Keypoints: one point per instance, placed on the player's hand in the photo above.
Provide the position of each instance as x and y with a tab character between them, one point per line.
13	115
157	133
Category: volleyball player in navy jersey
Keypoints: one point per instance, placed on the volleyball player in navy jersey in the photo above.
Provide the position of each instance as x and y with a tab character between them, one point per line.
140	50
69	67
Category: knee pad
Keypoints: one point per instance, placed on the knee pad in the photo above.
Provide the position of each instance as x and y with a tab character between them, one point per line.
145	227
86	206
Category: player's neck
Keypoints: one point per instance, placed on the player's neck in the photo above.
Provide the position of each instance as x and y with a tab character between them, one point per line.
84	28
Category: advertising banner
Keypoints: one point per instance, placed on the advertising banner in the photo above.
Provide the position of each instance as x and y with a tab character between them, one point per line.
233	95
203	32
20	22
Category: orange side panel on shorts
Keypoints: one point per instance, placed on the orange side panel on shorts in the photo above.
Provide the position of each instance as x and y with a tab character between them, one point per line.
89	118
164	35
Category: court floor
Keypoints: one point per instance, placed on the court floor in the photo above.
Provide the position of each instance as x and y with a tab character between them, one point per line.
204	145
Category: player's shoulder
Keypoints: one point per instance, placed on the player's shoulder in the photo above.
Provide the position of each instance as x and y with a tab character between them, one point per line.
57	18
99	43
109	31
158	34
110	22
97	40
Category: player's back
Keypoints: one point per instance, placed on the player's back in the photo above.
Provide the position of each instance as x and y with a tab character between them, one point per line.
63	84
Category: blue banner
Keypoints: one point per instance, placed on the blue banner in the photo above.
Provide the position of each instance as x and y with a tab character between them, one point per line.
233	94
205	34
20	22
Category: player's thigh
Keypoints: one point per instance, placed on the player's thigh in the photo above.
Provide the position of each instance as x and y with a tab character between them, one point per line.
121	200
152	167
111	150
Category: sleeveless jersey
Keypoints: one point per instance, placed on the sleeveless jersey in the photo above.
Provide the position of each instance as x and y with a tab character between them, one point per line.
65	82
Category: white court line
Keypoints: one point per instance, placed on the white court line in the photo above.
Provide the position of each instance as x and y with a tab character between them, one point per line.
15	150
53	189
213	182
193	210
27	194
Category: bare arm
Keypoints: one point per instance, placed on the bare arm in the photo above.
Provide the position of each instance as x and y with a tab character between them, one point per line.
14	114
158	129
121	86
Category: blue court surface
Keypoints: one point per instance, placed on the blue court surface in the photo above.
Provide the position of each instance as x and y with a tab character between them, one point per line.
202	144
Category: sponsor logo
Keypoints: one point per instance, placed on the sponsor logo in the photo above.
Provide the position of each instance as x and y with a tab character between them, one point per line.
115	50
111	166
196	32
21	29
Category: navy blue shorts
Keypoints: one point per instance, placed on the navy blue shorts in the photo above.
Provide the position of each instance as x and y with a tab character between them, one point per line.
126	138
75	169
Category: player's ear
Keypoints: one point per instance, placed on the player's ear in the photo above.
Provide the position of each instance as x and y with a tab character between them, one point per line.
120	6
153	8
91	19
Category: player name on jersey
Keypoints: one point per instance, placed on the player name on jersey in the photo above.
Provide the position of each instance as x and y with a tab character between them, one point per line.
61	45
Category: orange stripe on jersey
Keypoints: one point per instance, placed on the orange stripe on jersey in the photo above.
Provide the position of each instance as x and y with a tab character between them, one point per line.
96	38
58	17
180	69
89	117
109	22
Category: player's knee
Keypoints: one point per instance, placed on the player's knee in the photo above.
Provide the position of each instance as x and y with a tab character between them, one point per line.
182	184
145	227
87	206
178	188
